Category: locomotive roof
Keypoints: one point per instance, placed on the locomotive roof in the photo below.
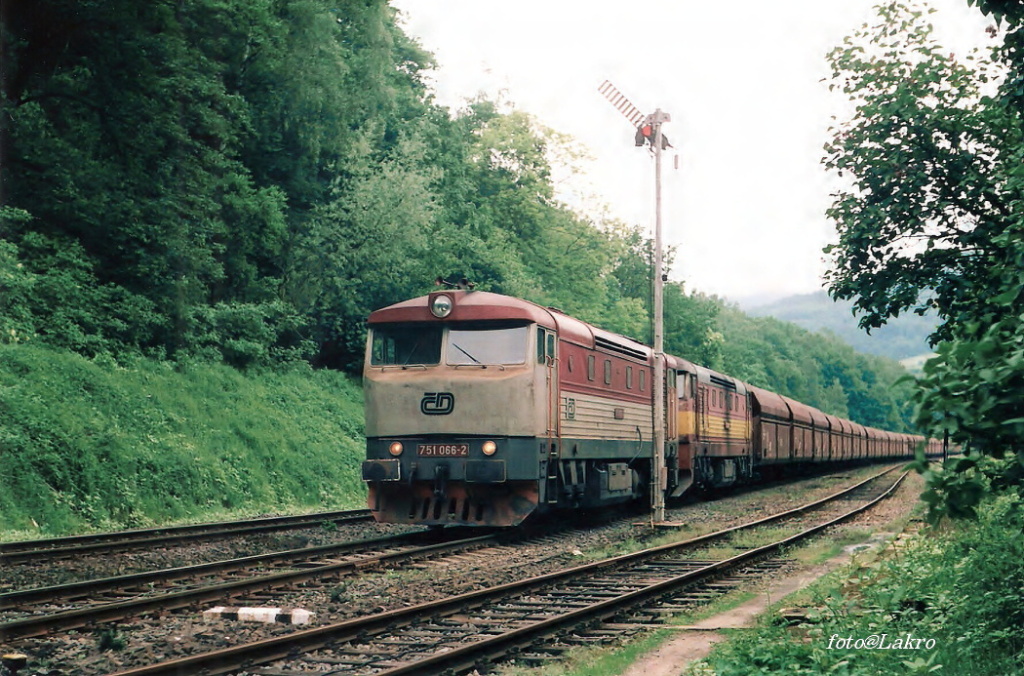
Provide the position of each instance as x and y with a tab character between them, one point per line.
466	306
487	306
706	375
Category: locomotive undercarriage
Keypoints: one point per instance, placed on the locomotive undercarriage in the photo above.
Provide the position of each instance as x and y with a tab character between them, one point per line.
456	503
594	483
717	472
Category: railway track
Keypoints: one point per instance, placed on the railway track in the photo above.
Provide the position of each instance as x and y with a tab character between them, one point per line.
462	632
98	543
116	598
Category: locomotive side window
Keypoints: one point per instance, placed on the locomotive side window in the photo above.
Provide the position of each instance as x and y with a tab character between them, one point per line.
607	372
643	379
629	377
590	367
487	345
400	345
546	347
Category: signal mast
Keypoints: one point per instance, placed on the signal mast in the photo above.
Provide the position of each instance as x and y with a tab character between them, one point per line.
648	130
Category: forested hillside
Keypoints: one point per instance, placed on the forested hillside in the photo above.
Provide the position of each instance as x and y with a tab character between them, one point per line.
246	180
901	337
236	184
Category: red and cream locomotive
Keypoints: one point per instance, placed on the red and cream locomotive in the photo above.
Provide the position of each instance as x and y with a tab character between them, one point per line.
483	409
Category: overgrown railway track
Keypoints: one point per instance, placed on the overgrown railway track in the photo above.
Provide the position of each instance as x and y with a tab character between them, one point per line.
99	543
462	632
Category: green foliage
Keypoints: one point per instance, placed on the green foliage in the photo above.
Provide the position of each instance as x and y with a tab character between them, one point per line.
691	327
143	443
237	180
964	588
923	153
247	334
934	152
16	284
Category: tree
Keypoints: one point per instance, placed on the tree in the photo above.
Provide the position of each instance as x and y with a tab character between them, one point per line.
934	218
921	157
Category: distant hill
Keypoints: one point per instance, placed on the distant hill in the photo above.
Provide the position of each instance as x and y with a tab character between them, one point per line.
901	338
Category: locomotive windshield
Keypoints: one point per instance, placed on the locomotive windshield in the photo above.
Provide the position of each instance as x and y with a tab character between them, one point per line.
402	344
420	344
487	344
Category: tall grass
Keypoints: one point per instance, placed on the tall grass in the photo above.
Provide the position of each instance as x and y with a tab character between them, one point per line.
96	444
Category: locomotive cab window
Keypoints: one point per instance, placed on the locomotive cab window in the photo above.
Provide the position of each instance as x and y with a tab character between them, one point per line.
404	344
487	344
545	346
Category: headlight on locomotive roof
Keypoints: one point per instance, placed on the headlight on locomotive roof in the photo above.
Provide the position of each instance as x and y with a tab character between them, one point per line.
395	448
490	448
441	306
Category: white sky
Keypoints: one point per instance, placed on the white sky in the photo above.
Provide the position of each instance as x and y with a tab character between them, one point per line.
750	113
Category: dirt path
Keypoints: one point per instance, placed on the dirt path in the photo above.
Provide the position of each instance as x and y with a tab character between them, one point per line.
695	641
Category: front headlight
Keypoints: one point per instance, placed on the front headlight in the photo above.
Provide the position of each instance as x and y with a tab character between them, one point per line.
395	448
490	448
441	306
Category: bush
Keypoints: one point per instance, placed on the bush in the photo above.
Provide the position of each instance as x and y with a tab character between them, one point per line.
247	334
72	310
16	321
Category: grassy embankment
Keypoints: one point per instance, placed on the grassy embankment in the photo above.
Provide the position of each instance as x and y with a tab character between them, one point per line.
955	597
94	445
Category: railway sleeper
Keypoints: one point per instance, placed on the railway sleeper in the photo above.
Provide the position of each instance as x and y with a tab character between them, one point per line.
525	605
333	661
538	660
583	640
408	642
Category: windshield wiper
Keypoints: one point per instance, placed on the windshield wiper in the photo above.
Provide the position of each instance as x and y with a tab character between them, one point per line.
457	347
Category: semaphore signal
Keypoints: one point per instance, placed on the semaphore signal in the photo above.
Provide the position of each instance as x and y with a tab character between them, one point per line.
619	100
646	125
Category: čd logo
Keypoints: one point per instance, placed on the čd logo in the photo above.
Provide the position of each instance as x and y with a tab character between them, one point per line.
437	403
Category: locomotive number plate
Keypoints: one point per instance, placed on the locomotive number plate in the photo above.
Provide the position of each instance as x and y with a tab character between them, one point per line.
442	450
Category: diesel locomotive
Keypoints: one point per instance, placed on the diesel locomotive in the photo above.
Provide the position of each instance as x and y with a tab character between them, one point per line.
482	409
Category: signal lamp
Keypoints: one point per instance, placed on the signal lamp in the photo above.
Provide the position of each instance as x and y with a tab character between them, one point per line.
395	448
490	448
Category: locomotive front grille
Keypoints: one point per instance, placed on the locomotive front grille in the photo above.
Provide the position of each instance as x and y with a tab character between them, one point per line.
459	504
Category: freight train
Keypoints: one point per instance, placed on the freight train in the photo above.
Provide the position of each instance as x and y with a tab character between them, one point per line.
483	409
